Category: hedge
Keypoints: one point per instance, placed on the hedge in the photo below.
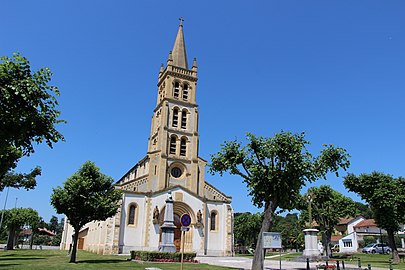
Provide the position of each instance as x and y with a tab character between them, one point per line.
160	256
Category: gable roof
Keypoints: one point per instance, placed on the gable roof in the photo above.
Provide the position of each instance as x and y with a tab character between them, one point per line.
366	223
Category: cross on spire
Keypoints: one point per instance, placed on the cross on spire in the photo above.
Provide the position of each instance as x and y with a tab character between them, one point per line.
181	21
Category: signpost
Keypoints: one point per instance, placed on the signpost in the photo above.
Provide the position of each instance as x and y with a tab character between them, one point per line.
271	240
185	221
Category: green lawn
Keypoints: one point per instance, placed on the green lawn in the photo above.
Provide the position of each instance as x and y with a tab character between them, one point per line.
58	259
375	260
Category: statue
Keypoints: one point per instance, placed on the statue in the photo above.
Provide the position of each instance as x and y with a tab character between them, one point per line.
199	216
156	215
199	219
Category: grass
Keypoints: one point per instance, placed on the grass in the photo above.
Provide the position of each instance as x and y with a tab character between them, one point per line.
58	259
375	260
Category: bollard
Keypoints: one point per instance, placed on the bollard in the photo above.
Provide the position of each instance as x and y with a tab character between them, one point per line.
391	265
359	263
337	265
343	265
308	264
369	266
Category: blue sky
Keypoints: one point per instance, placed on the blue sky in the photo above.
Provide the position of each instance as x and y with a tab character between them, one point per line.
334	69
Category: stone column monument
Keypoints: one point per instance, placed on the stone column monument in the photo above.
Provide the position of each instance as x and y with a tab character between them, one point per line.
311	241
167	244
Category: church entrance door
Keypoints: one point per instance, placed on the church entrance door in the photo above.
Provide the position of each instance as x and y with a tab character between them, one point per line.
177	232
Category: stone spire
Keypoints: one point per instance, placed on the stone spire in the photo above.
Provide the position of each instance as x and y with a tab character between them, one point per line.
179	49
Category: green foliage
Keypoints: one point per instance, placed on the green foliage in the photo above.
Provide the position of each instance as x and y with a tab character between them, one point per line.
151	256
364	210
386	196
86	196
369	240
328	207
27	115
15	218
275	169
247	228
20	180
291	230
42	240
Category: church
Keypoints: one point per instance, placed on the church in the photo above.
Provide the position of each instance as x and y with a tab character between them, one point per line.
171	166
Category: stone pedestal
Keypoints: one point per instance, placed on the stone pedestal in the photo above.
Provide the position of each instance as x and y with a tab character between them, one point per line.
167	244
311	243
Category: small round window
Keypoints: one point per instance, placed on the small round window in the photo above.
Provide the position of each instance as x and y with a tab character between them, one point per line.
176	172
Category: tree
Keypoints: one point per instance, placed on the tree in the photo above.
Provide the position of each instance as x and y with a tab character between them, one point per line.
364	210
57	227
20	180
15	218
386	196
328	207
86	196
35	225
247	227
274	170
27	115
53	224
290	229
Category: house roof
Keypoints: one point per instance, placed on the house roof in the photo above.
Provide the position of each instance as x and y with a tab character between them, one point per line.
366	223
46	231
344	221
336	238
348	220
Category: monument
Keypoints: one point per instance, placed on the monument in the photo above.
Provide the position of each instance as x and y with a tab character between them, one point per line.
167	244
311	241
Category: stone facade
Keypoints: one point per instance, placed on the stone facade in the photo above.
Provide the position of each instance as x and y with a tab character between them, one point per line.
171	164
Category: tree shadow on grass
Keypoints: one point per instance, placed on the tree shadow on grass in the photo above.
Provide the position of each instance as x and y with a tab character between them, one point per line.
7	265
22	255
20	259
101	261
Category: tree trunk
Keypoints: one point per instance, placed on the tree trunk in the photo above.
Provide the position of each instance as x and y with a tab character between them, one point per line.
391	243
32	239
74	248
11	237
326	239
257	263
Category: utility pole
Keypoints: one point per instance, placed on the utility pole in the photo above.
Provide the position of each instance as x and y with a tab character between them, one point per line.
4	207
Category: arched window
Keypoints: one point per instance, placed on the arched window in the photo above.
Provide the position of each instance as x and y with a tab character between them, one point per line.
185	91
176	90
172	145
175	117
184	119
213	224
183	147
131	214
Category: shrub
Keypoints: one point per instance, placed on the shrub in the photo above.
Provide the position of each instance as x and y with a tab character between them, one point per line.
156	256
369	240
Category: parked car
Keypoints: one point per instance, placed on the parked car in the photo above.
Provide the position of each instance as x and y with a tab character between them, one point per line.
377	248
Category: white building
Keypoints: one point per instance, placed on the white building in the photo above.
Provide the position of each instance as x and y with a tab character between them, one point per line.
171	164
349	243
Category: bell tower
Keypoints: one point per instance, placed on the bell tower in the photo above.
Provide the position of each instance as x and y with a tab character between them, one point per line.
173	141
